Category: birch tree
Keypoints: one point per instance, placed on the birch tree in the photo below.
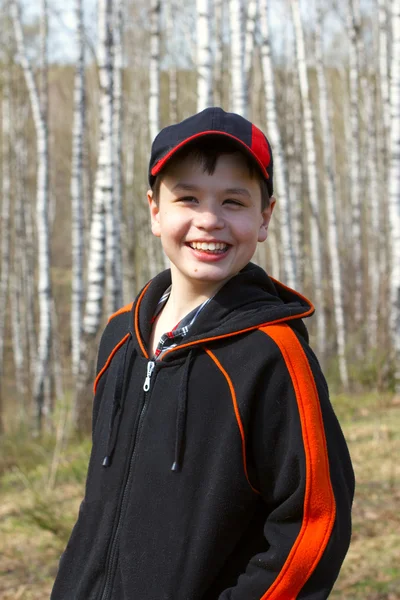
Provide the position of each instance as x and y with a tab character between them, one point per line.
172	71
16	300
331	202
384	71
102	202
77	212
154	114
394	187
154	70
251	21
354	73
238	77
117	123
219	44
22	285
105	59
42	219
316	243
204	64
6	192
274	133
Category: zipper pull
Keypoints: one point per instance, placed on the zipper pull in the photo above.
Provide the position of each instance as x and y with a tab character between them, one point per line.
150	369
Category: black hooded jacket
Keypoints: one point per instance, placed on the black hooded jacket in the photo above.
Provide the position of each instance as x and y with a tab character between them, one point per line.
229	477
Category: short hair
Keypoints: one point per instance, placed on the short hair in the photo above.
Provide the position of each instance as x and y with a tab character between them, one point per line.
206	151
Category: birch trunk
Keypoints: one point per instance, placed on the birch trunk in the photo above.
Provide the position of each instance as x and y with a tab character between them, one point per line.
173	71
154	119
129	229
204	64
19	293
77	206
44	86
154	97
280	164
105	168
374	208
354	72
42	207
394	187
102	202
331	203
117	143
316	242
251	20
238	78
6	200
384	72
219	44
294	153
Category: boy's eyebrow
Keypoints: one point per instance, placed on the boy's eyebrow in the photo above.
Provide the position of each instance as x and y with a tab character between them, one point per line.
188	187
238	191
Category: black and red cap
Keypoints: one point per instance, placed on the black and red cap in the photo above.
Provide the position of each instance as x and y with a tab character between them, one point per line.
210	122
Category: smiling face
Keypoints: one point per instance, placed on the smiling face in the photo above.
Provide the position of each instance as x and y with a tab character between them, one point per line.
209	224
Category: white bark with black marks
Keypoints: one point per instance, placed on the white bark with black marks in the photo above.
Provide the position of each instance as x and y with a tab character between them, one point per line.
354	74
384	79
154	71
280	165
394	187
238	76
219	51
331	202
204	55
172	14
251	21
42	219
118	29
103	186
77	205
316	242
6	194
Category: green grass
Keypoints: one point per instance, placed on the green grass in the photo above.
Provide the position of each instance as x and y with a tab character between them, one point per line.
371	570
40	497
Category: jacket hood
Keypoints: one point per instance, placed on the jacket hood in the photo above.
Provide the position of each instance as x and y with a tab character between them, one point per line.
247	301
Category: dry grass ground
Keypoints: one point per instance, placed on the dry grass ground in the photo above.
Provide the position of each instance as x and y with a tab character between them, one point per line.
35	518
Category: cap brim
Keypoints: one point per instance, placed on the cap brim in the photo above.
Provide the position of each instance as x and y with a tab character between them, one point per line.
190	140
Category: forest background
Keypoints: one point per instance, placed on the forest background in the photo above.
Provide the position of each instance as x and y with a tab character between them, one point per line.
84	89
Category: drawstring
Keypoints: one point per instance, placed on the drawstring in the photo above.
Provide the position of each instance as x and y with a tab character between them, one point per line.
116	411
116	407
181	415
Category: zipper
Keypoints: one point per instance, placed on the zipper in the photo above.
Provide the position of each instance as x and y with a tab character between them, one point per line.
150	369
112	562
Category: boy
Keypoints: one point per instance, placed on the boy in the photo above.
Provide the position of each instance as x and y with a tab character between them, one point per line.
218	469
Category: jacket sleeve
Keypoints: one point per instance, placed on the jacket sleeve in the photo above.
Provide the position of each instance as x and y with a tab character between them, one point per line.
305	478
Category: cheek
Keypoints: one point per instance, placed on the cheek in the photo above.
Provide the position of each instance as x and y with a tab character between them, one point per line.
247	228
172	226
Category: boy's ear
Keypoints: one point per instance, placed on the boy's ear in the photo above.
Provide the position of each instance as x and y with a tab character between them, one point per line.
154	214
266	215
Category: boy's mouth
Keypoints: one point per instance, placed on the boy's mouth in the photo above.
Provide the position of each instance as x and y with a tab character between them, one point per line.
211	247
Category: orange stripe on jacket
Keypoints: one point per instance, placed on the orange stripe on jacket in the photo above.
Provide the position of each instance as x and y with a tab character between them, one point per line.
139	339
122	310
109	359
237	414
319	502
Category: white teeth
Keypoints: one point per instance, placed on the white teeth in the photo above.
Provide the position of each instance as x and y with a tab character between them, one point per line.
210	246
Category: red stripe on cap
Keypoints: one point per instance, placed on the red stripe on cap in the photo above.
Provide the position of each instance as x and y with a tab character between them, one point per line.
259	146
258	150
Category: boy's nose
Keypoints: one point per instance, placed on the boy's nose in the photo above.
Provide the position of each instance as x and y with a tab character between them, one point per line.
209	219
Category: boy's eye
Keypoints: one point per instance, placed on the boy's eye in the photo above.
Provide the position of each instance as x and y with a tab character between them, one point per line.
188	199
233	201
